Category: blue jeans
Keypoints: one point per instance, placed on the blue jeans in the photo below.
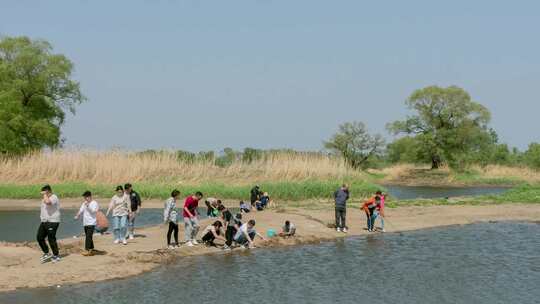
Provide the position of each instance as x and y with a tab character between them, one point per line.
371	221
381	218
191	228
120	227
131	223
242	238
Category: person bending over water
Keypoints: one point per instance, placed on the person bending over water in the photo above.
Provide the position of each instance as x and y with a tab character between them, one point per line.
212	205
213	232
50	220
88	210
170	217
191	220
246	235
369	208
120	206
232	224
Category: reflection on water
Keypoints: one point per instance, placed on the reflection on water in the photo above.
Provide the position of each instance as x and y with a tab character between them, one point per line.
18	226
412	192
480	263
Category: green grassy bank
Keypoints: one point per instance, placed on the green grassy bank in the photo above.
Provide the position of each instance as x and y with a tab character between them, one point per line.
525	194
302	190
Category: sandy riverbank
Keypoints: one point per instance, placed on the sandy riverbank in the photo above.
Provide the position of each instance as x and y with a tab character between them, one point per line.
20	267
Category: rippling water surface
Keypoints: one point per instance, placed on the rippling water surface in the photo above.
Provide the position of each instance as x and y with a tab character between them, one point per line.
480	263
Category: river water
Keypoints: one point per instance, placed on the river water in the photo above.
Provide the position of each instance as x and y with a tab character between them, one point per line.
20	226
479	263
414	192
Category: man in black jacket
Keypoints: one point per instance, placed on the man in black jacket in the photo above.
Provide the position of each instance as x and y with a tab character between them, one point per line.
135	208
255	195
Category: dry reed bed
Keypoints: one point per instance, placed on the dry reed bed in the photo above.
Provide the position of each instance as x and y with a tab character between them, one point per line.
119	166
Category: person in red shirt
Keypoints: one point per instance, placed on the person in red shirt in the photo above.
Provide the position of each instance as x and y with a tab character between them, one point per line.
369	207
191	220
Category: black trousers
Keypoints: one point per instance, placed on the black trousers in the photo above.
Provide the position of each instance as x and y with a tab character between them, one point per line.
340	217
89	237
48	230
172	228
209	238
229	234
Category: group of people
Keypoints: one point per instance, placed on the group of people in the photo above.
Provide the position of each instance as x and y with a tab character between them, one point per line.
230	228
373	208
124	208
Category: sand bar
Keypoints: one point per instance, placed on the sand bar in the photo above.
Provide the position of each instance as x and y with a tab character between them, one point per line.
20	266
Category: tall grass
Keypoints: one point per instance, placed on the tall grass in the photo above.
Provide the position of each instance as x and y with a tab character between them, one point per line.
113	167
302	190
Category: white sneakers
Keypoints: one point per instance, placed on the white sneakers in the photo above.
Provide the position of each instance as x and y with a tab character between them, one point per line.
338	229
195	242
189	244
116	241
124	242
131	236
344	230
45	257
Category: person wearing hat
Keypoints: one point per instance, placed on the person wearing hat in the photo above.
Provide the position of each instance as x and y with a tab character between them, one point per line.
50	220
89	209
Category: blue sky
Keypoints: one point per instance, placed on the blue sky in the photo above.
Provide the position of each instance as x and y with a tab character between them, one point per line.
204	75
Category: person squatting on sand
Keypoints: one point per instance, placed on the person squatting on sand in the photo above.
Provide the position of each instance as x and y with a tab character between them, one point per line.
120	206
88	210
212	232
246	235
340	197
244	207
50	220
135	200
287	230
191	220
170	217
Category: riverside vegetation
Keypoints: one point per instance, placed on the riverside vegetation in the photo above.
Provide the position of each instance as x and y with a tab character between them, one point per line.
286	175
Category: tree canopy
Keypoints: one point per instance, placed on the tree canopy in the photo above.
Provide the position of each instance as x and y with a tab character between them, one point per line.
447	124
36	89
355	144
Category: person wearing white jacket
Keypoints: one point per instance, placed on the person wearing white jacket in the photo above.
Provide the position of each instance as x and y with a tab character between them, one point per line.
170	217
88	210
